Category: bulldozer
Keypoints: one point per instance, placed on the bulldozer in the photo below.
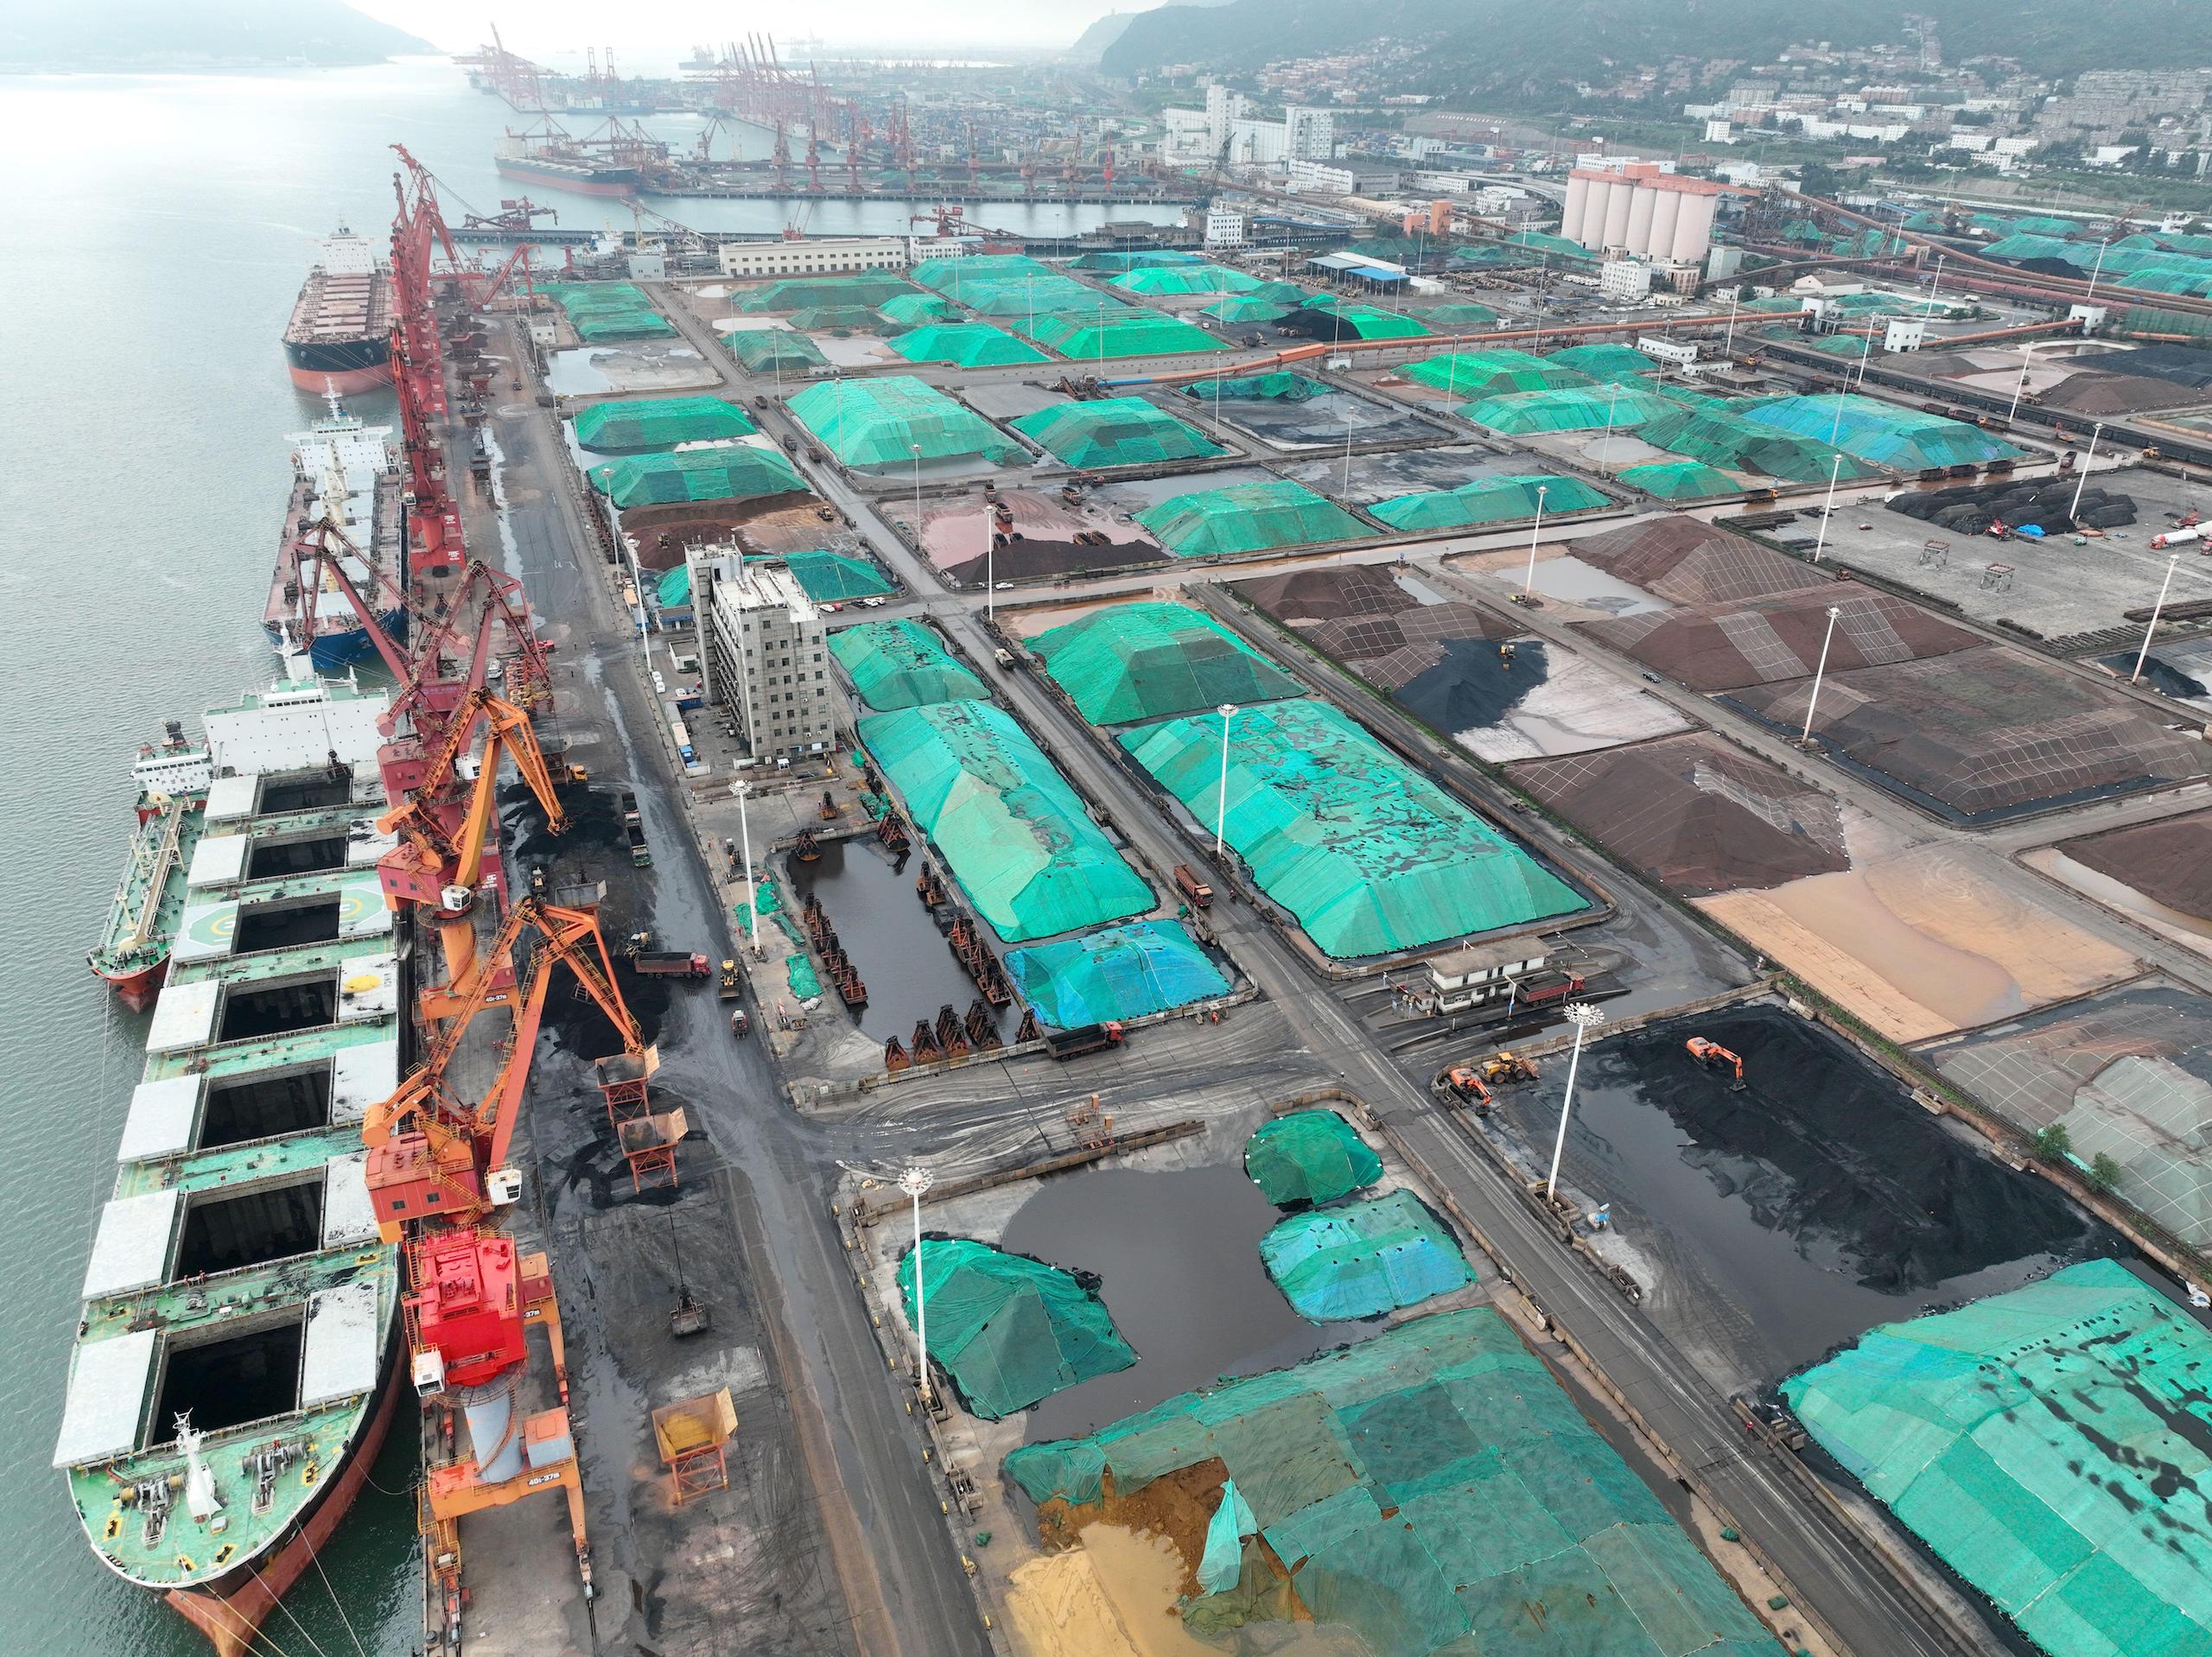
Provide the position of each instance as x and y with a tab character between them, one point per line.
1712	1053
1503	1067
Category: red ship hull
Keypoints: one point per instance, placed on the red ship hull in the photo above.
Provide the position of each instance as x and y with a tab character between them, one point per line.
138	988
348	382
231	1616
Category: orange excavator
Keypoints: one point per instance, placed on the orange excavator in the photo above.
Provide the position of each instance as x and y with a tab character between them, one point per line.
1710	1053
438	862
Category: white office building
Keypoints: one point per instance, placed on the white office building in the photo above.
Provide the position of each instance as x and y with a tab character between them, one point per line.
763	657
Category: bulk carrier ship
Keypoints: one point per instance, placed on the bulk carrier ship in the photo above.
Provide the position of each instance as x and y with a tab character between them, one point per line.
233	1374
339	337
345	472
541	159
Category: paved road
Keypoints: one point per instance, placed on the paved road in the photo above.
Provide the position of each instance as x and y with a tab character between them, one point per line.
903	1575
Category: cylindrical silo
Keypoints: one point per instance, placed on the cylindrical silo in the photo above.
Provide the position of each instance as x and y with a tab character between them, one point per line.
1616	206
1693	229
1640	203
1578	200
1664	214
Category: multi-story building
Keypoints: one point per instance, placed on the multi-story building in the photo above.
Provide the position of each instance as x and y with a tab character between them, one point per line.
763	654
819	256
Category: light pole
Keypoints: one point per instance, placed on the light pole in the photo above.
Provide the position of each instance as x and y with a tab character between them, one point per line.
990	566
917	448
1581	1015
2096	432
1350	426
915	1181
2092	291
1221	813
2143	653
1529	586
1728	340
1934	284
2027	356
742	787
1612	395
1814	700
1828	511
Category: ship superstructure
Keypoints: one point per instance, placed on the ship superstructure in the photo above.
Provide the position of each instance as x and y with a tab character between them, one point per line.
230	1378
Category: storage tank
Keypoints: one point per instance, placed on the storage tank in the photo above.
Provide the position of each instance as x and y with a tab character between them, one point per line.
1640	203
1693	229
1618	198
1664	213
1578	203
1592	225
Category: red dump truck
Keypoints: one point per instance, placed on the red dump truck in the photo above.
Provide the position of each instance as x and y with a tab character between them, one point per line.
1087	1038
1200	893
669	963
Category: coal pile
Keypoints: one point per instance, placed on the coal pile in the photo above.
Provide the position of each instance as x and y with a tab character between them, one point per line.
2169	862
1327	595
1025	558
1694	814
1829	1150
1763	641
1359	616
1472	687
1970	509
2189	365
2097	394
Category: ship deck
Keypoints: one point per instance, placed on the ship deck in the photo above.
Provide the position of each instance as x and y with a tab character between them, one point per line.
151	898
384	568
338	306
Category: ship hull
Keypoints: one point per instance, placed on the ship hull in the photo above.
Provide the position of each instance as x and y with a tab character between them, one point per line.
229	1612
138	988
346	366
523	172
340	648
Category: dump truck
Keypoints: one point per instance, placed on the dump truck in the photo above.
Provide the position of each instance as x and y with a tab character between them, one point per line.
1551	990
1085	1039
1200	893
634	830
669	963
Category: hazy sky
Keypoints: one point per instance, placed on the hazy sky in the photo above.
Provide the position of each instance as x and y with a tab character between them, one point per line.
653	33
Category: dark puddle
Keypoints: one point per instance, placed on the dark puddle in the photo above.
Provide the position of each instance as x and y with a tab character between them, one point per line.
1179	1256
1818	1202
1473	688
895	943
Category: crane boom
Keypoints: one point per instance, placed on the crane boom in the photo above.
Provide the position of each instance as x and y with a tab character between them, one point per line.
312	548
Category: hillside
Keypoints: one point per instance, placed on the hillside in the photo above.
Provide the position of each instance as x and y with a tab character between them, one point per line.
1473	48
90	34
1092	43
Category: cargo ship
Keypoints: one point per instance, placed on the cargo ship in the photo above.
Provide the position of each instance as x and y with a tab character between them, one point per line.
339	337
565	166
235	1372
344	470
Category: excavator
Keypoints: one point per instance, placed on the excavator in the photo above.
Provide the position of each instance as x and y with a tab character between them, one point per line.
1710	1053
437	863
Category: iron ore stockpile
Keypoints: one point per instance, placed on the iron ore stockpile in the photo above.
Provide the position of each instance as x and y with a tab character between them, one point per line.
2169	862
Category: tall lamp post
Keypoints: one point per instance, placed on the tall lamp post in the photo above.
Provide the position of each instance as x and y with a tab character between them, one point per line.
917	448
1221	815
1529	586
2141	654
1821	541
915	1181
742	788
1581	1015
1814	700
2027	356
2096	432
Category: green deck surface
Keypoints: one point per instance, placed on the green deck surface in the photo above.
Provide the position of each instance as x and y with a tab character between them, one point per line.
150	878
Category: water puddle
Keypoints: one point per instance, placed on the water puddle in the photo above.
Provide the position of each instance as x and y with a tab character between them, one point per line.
1179	1256
910	970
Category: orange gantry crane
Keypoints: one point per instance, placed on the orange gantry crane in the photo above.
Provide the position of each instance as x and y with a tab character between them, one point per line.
439	858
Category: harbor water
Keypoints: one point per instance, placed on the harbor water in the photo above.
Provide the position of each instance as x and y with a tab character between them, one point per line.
158	229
